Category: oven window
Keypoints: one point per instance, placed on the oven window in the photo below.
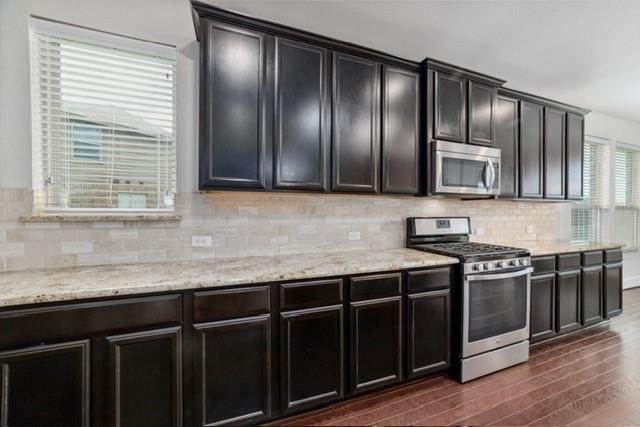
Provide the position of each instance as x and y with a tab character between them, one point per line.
463	173
497	307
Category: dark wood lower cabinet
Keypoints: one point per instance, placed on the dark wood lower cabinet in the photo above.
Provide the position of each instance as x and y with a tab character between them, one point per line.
45	385
428	328
543	300
233	371
312	357
568	301
592	295
376	343
613	289
146	378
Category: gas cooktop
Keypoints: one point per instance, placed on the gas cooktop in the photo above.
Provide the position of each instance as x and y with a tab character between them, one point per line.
471	250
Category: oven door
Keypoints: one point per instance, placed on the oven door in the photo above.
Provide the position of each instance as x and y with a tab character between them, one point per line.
496	310
462	173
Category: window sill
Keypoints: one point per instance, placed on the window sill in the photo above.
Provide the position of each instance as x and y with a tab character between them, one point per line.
100	218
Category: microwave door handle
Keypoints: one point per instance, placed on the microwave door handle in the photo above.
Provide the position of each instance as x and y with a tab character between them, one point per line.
493	175
485	174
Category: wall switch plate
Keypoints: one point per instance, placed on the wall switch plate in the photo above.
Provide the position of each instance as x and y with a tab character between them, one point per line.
354	235
479	231
530	229
200	241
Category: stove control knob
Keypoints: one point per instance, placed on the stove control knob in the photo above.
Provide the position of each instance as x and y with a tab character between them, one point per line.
512	263
499	264
486	266
522	262
475	267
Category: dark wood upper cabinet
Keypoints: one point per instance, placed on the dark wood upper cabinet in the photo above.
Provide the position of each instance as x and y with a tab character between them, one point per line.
449	107
400	130
507	137
592	295
531	150
482	105
543	304
234	385
146	378
45	385
428	332
554	153
356	124
311	356
233	140
575	149
302	137
568	300
376	328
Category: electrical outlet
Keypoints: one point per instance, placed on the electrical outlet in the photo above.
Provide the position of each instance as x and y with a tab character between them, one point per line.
479	231
200	241
530	229
354	235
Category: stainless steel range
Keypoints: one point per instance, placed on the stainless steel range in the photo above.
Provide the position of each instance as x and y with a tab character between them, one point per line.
490	305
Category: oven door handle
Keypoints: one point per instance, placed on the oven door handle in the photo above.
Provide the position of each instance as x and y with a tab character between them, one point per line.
485	277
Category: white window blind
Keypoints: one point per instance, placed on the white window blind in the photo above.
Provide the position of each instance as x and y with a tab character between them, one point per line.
589	217
104	120
627	188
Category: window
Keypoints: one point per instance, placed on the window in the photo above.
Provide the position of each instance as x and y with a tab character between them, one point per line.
627	180
86	142
103	114
589	217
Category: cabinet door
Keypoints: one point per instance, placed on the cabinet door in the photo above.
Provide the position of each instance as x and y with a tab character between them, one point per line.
356	120
507	140
450	107
482	100
592	295
575	148
531	150
233	371
301	113
428	328
543	302
146	378
613	289
400	130
568	301
46	385
312	357
376	343
554	153
233	107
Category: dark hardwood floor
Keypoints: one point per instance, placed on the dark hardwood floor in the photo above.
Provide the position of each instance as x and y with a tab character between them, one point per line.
589	378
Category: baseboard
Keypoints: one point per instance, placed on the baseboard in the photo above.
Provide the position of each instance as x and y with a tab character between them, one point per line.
631	282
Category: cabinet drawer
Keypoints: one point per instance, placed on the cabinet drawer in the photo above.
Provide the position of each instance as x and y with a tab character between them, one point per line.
544	264
613	255
429	280
294	296
568	261
375	286
592	258
73	321
229	303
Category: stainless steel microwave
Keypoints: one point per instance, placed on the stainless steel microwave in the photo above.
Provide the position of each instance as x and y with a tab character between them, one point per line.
465	169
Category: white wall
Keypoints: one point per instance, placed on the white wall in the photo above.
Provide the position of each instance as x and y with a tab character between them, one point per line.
616	131
166	21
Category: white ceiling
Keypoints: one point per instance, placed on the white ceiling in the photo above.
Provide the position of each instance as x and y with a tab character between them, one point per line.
585	53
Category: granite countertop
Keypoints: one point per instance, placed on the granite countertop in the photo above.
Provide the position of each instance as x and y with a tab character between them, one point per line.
73	283
551	247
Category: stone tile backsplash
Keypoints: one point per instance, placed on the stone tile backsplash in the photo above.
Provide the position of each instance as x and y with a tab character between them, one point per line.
247	223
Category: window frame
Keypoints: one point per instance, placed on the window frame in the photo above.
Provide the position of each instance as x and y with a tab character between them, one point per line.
111	40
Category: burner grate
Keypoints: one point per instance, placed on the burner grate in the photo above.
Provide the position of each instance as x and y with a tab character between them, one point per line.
471	248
